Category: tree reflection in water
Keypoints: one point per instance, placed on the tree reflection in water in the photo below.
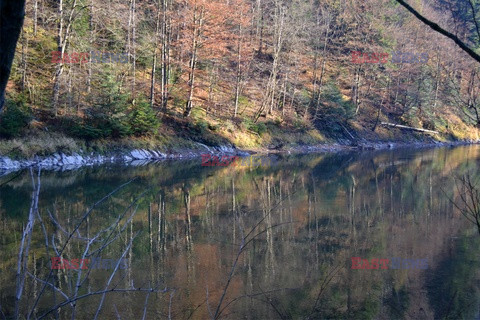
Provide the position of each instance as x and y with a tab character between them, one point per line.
267	242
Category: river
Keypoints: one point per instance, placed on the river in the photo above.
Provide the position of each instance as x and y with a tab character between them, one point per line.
271	242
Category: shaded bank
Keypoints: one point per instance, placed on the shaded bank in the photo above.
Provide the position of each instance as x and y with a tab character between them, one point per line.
62	161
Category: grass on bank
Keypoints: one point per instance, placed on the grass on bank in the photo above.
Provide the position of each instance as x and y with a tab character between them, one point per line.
115	125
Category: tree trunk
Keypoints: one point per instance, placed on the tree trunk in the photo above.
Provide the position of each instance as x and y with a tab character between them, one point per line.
239	68
59	67
284	95
62	42
89	71
12	13
437	84
134	55
386	124
269	98
442	31
193	61
154	62
35	15
322	71
259	25
165	55
356	89
24	59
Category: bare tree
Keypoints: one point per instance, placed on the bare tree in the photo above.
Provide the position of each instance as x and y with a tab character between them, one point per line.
469	195
278	19
466	94
92	245
63	38
442	31
196	28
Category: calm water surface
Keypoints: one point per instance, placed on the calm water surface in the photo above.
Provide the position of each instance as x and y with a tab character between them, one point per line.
244	243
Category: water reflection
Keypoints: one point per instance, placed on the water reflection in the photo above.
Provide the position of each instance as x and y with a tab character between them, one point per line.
237	242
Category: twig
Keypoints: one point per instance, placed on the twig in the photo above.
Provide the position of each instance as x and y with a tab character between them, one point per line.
61	228
1	312
13	178
70	236
208	304
230	277
49	284
24	248
79	275
450	304
440	30
323	286
113	273
116	311
470	211
114	225
253	295
44	230
196	308
97	293
243	244
269	300
266	229
97	252
145	306
107	242
170	305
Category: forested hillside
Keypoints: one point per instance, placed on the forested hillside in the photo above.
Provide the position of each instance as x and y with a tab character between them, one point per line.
253	73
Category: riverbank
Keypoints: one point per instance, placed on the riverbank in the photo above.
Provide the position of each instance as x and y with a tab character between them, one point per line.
71	160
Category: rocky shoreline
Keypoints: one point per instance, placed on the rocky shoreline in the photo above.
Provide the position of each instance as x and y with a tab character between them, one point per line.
133	157
60	161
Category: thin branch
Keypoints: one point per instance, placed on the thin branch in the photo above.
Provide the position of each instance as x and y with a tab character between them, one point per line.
254	295
50	285
145	305
97	293
1	312
11	179
107	241
324	285
440	30
474	18
25	243
116	311
170	305
243	244
269	300
61	228
208	304
79	275
113	273
71	235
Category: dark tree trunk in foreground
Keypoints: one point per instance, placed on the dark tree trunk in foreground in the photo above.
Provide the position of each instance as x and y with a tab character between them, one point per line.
12	13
